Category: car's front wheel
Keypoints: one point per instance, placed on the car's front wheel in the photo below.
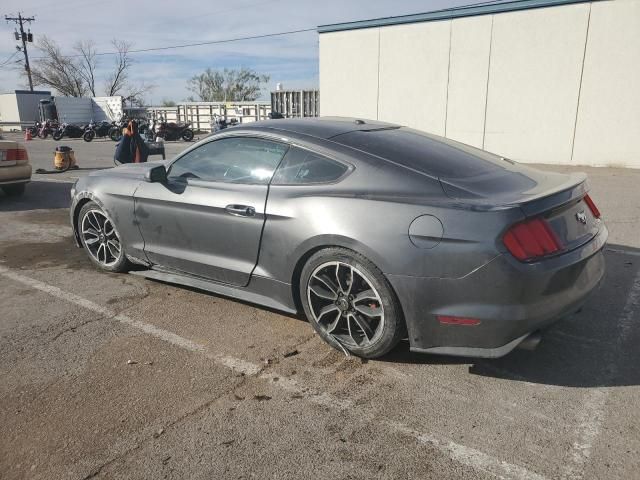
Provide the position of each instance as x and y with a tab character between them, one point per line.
350	303
100	239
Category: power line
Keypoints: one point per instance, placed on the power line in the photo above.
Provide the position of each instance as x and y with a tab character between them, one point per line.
198	44
9	59
266	35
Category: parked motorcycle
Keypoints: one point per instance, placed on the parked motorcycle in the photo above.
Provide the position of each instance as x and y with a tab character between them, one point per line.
35	128
149	133
144	127
47	128
115	133
174	131
220	123
100	130
68	130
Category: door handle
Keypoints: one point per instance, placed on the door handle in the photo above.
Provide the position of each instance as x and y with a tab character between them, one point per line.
240	210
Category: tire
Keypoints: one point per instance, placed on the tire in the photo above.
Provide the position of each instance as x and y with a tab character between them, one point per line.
15	190
187	135
367	322
88	135
115	134
57	135
92	217
43	135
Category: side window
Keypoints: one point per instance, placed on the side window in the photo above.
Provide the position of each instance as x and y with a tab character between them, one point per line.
301	166
234	160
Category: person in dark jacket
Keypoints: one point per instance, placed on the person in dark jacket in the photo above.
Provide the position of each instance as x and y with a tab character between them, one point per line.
131	148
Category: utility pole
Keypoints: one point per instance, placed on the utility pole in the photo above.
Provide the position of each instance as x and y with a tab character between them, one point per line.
25	37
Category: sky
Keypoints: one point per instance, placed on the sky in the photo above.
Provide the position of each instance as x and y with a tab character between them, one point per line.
291	60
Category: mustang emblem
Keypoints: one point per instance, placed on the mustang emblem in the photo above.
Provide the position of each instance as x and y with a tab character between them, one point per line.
581	217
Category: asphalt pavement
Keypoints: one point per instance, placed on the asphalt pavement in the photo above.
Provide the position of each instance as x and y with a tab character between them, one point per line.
115	376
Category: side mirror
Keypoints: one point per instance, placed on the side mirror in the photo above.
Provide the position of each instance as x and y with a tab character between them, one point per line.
156	174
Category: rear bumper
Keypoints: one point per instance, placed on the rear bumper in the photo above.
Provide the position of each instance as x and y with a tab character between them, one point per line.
20	173
511	299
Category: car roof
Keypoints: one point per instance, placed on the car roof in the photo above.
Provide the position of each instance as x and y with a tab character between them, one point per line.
320	127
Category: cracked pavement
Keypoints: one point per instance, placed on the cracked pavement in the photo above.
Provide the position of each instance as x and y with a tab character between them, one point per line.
119	377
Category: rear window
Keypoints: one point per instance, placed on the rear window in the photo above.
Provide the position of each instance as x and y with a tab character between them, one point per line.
301	166
430	154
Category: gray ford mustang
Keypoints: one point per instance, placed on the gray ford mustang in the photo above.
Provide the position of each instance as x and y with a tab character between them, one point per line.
377	232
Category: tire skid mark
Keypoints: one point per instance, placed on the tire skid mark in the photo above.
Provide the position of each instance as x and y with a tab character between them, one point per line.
462	454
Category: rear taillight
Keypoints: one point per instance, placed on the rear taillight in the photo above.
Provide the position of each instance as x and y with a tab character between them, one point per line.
16	154
592	206
531	239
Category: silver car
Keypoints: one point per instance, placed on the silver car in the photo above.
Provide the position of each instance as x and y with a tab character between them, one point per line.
377	232
15	169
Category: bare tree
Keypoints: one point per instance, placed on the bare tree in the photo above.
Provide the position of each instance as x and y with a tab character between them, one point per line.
57	71
117	80
227	85
86	65
135	94
76	75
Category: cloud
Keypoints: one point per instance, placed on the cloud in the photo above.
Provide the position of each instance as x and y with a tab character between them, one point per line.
291	59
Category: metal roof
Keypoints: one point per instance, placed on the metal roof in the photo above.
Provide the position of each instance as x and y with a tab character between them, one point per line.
449	13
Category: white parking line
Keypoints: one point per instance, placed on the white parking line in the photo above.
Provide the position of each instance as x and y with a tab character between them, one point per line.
38	177
592	414
235	364
465	455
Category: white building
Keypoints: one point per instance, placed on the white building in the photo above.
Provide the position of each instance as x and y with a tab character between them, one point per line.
548	81
20	107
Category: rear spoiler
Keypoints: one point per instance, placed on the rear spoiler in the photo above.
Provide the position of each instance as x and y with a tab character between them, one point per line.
533	197
552	199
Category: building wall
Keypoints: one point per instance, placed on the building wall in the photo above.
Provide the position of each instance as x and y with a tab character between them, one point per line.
536	60
82	110
549	85
20	107
9	110
468	75
349	71
427	45
28	104
608	122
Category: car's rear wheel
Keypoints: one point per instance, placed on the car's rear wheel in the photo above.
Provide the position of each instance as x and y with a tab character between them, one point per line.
100	239
14	190
350	304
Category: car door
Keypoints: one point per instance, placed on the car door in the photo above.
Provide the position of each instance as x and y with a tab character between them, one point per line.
207	218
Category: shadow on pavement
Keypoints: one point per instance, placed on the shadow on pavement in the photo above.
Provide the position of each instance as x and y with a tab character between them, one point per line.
597	347
39	195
